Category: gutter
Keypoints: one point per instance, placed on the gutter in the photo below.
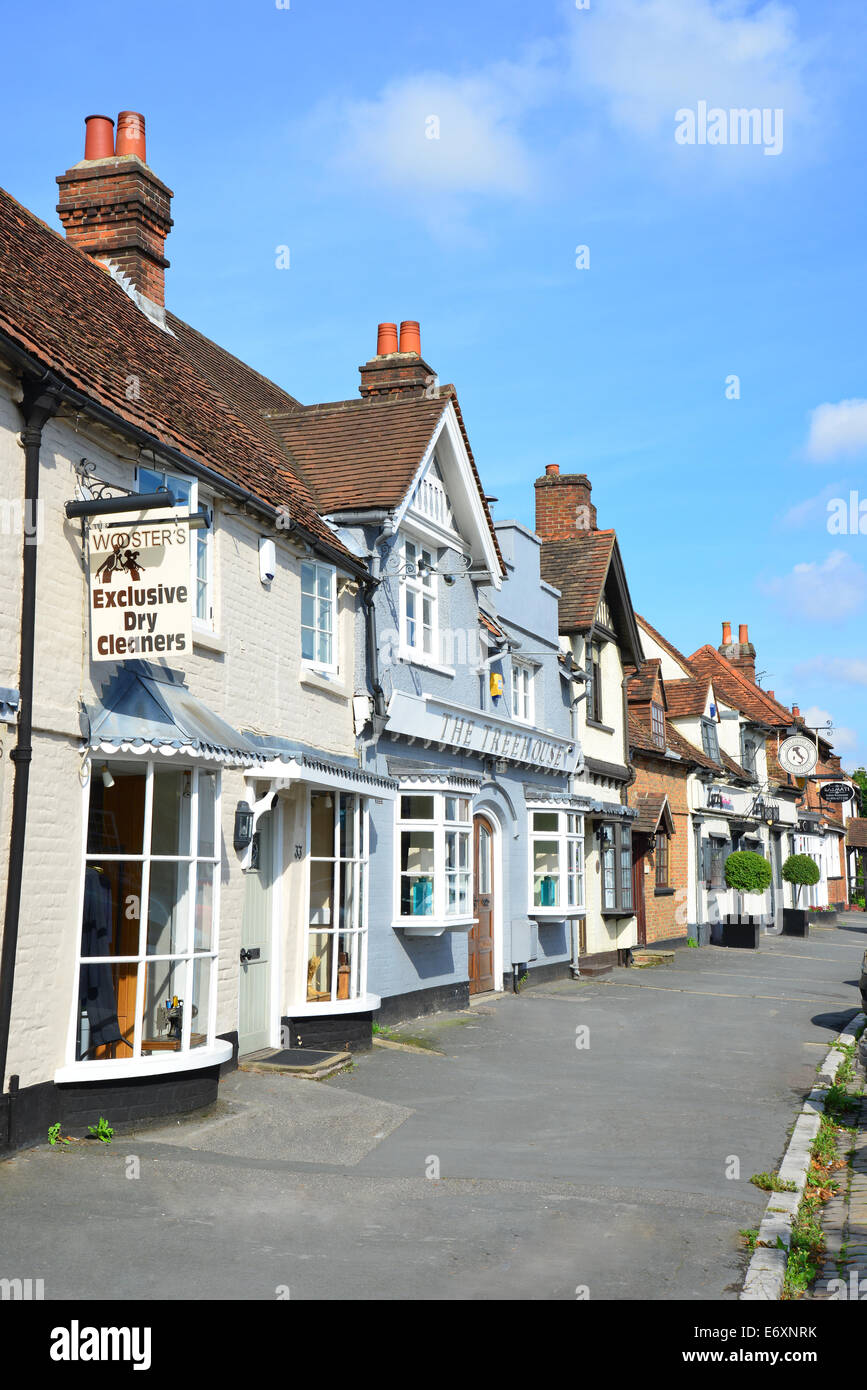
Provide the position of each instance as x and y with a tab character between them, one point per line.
181	462
41	401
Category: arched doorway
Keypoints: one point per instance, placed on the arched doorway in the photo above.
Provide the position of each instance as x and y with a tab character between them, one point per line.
481	937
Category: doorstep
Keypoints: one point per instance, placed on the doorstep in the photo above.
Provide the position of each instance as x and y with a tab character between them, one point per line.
643	957
296	1061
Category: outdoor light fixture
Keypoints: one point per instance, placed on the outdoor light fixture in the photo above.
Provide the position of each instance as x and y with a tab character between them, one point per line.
501	766
243	825
107	779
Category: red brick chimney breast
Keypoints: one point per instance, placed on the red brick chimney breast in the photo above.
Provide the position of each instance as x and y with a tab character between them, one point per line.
563	506
115	209
397	369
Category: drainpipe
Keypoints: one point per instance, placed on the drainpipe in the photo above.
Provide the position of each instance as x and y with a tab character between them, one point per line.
40	403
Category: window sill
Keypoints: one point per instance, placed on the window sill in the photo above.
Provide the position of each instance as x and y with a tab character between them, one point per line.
332	684
365	1003
210	641
555	914
603	728
407	657
433	926
617	911
159	1064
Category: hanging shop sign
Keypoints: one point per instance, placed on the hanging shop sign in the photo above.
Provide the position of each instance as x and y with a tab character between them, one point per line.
837	791
798	755
139	571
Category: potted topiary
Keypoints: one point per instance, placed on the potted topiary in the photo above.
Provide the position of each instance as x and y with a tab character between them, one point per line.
801	871
747	872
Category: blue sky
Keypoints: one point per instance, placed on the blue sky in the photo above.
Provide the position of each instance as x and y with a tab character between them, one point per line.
308	127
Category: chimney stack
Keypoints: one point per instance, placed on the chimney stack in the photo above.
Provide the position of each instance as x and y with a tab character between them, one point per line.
397	368
563	506
741	654
114	208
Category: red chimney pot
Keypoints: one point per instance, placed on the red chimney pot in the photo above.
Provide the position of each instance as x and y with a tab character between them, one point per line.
98	137
727	634
131	134
552	468
410	337
743	634
386	339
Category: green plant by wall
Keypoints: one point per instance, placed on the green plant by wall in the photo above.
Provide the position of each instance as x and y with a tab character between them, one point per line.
102	1130
802	871
747	871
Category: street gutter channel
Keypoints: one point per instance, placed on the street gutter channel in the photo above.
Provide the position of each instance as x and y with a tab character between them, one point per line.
766	1273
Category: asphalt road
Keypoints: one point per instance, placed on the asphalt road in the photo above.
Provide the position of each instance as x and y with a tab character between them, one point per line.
562	1168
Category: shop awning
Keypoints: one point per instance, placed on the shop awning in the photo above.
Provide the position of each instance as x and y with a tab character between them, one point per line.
149	709
285	761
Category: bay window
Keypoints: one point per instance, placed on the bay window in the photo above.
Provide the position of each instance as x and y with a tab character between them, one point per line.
556	862
615	848
434	866
337	917
149	921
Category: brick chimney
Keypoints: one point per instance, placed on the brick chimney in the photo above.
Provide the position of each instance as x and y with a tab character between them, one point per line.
742	653
114	208
563	506
398	367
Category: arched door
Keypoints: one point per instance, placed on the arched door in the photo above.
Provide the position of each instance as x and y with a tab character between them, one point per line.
481	939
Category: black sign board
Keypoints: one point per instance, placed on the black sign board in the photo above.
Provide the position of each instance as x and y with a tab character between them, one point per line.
837	791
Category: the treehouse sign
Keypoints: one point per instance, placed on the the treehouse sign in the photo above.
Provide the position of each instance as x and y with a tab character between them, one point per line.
139	569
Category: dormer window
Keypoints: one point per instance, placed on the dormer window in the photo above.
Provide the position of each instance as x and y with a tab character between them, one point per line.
657	724
709	739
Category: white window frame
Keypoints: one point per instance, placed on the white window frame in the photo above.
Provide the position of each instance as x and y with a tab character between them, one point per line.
201	541
183	960
569	834
312	664
439	825
523	701
360	862
419	588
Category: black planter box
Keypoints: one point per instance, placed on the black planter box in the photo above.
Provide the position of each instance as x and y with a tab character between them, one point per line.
822	919
741	932
795	921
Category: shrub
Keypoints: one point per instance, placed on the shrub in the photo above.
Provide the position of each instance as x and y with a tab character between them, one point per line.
801	870
747	871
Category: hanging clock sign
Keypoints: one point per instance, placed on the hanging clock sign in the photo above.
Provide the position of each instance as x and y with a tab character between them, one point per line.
798	755
837	791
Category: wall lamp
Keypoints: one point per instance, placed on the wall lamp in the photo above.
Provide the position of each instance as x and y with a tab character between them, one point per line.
243	825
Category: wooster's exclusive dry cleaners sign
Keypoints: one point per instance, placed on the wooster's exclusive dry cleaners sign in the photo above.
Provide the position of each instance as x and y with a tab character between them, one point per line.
139	585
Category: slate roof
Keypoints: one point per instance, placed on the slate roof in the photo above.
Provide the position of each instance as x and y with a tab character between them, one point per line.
67	312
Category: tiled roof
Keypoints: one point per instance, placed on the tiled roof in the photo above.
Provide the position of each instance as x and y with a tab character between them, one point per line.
67	312
738	690
578	567
360	455
686	697
735	768
652	807
856	833
641	685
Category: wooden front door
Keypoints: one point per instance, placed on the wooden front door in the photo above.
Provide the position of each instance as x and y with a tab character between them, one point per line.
638	877
481	941
255	984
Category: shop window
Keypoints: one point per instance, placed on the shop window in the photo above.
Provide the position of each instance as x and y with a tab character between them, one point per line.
149	920
433	849
318	615
716	851
661	858
419	601
337	937
522	692
615	841
201	541
556	861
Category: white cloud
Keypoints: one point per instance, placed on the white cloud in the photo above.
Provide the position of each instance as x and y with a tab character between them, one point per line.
843	739
838	668
651	57
837	430
828	591
812	509
436	134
